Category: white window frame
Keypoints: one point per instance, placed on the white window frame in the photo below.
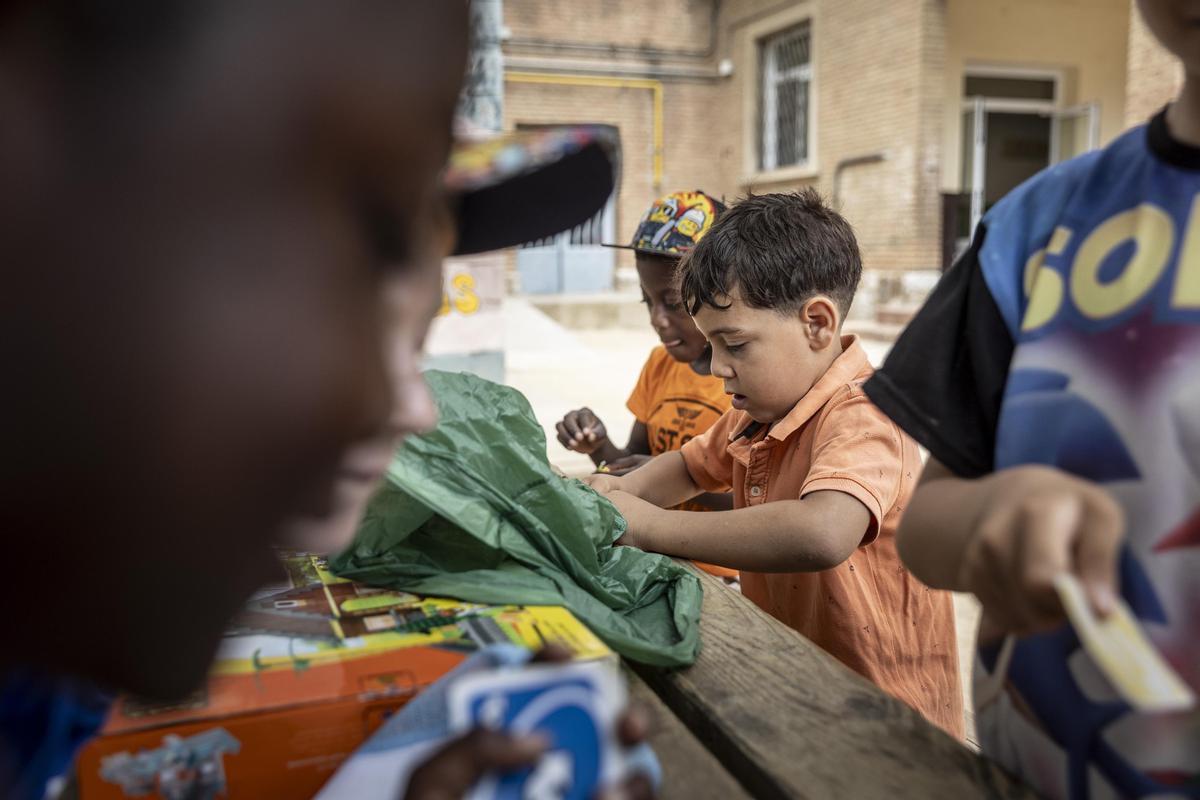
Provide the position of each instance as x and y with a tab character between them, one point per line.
770	78
1008	71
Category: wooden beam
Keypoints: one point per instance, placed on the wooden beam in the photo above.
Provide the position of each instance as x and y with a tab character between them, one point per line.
689	771
789	721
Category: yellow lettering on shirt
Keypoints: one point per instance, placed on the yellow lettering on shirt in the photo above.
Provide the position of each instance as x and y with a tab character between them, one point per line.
1187	275
1043	285
1153	233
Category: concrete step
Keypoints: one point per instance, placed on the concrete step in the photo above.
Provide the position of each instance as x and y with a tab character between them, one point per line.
600	311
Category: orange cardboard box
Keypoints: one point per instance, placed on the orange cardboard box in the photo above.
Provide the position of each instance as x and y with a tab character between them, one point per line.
304	676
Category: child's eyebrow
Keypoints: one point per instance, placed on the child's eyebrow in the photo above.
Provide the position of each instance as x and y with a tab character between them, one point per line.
725	332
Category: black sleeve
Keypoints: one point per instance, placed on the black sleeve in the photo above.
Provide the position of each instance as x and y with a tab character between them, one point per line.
944	380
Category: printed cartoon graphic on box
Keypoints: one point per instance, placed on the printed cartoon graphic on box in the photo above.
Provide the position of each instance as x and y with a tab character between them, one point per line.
182	769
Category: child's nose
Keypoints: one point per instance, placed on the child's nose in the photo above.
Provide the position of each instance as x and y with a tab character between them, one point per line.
719	367
413	409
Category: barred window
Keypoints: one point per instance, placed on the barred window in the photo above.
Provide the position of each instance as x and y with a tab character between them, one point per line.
786	81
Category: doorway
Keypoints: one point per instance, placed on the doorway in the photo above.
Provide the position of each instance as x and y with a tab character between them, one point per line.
1014	125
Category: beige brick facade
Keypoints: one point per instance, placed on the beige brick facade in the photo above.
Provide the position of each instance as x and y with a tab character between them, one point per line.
1154	75
616	41
675	30
872	146
886	93
865	106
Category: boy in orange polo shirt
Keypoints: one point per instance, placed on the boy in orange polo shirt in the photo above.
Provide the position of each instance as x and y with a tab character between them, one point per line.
820	477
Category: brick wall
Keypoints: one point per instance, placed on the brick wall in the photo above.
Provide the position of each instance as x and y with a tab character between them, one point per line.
687	163
878	90
619	39
1154	75
667	29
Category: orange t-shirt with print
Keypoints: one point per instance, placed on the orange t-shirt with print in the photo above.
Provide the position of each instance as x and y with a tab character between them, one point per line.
869	611
676	405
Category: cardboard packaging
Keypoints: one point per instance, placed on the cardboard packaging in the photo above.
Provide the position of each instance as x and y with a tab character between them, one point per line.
305	675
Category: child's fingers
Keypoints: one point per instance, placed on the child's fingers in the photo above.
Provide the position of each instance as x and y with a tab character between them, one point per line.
991	570
989	576
590	426
585	419
1097	552
571	423
1049	526
456	767
564	438
636	787
634	725
639	787
552	653
602	483
1012	560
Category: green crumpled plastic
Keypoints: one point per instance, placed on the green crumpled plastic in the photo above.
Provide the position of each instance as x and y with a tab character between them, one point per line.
473	510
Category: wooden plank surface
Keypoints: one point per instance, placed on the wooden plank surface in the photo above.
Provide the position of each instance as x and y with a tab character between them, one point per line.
689	771
789	721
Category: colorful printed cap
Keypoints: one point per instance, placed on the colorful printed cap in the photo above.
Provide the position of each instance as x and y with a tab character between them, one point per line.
675	223
518	187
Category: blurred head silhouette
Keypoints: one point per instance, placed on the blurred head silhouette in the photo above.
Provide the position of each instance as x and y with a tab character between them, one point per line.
221	236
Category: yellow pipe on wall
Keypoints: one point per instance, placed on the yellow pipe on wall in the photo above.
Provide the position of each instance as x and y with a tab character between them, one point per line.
655	87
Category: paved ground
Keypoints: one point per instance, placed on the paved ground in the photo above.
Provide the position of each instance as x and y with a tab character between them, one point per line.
559	369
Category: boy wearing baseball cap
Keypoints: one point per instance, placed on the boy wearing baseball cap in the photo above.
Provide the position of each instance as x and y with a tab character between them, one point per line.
675	398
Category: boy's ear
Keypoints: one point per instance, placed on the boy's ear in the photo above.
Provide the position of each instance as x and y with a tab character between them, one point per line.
822	320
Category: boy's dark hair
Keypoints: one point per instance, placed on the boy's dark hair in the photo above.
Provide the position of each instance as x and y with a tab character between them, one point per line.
780	250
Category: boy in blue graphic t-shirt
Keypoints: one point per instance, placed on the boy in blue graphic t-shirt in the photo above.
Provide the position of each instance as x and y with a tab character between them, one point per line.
1054	375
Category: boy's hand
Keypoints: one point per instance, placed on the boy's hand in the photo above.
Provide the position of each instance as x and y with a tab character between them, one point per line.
636	511
603	482
1039	523
638	515
581	431
623	466
452	771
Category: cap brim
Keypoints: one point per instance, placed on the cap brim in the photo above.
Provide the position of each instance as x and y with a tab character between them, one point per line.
525	186
646	250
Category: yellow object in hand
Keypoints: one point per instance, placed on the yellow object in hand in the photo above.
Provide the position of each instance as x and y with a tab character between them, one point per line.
1123	653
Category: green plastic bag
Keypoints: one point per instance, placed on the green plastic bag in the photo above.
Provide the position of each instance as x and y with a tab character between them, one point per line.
473	510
